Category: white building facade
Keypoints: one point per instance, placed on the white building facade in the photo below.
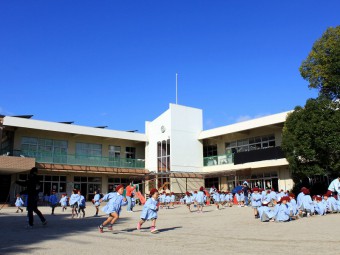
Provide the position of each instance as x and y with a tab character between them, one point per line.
174	152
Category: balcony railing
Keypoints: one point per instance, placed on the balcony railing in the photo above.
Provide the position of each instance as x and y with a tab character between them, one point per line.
82	160
218	160
258	155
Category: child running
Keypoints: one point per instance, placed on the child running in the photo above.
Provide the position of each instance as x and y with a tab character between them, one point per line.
149	212
200	200
187	199
19	203
113	207
81	204
96	202
63	202
53	200
74	202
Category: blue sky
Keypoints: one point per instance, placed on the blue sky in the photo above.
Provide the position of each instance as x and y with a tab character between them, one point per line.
114	62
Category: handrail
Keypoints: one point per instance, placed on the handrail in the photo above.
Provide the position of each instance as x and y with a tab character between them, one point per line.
75	159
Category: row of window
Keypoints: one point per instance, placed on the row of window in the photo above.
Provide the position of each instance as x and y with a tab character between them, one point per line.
163	156
249	144
87	185
60	147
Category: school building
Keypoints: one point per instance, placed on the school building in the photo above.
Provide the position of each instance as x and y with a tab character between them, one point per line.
174	152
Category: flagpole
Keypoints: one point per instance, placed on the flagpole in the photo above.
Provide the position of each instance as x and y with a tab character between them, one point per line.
176	88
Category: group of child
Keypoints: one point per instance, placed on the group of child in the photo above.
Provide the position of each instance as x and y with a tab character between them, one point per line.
77	202
200	197
268	205
167	200
286	208
115	201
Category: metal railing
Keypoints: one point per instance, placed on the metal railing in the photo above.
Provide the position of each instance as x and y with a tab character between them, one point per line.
74	159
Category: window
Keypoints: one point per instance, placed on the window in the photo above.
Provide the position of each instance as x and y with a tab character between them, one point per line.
242	145
114	151
44	149
113	182
48	183
130	152
253	143
210	150
88	149
163	156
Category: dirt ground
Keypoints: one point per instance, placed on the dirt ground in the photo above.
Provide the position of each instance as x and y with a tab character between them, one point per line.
227	231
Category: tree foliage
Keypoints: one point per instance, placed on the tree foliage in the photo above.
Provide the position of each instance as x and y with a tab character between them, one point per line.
322	66
311	138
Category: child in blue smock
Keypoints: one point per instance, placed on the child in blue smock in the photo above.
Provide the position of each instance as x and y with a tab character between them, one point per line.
222	198
292	206
162	199
256	201
74	202
217	201
53	200
200	197
307	206
113	207
240	198
188	200
63	202
19	203
229	199
264	212
283	213
96	202
167	200
172	199
320	207
81	204
331	203
149	211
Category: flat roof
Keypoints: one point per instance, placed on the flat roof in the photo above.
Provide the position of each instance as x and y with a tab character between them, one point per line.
245	125
72	129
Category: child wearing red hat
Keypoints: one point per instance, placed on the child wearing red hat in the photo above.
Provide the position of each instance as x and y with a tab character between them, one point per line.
256	201
320	207
331	202
292	206
113	207
200	199
149	212
283	214
307	206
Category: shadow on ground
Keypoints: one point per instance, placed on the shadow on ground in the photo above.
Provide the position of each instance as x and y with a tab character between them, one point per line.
16	238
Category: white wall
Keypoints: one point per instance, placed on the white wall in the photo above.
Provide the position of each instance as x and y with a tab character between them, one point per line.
182	126
186	149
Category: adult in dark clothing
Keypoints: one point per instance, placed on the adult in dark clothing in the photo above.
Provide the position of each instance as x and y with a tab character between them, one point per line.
32	189
246	192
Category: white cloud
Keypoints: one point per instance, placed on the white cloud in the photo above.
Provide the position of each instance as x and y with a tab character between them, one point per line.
209	123
243	118
3	111
248	117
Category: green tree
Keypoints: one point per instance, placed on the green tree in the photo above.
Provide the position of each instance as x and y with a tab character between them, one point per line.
311	138
322	66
